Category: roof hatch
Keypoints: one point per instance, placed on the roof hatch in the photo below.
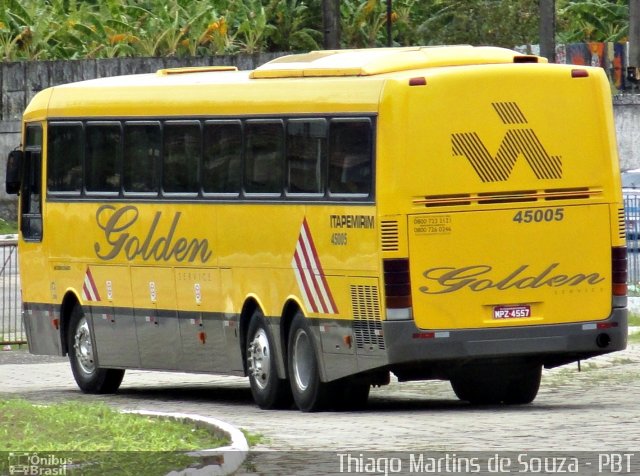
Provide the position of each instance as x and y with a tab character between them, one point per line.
385	60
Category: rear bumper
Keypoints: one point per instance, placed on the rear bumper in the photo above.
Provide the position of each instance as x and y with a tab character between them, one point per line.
550	344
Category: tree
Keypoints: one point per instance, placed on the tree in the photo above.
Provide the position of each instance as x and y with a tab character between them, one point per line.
548	29
331	23
505	23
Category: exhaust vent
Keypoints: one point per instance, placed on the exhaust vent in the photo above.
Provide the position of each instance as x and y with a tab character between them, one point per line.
389	230
622	232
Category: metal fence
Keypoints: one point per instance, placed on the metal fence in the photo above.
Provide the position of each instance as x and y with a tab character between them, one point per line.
11	329
632	223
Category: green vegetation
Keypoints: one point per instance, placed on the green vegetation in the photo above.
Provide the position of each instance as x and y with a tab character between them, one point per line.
634	320
253	439
74	29
8	228
99	440
73	426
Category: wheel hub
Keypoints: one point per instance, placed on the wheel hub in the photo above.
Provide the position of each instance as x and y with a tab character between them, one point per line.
259	362
84	348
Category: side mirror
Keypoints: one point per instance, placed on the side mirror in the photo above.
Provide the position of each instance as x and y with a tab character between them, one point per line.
14	169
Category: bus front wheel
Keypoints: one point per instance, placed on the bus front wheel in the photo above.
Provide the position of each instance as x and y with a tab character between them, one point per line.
309	392
267	389
89	377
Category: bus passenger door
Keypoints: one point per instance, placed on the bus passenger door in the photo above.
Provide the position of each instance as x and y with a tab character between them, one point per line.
154	303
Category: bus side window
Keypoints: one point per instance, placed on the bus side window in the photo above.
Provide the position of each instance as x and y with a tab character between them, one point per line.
222	157
350	157
102	159
141	151
180	158
306	149
264	154
65	154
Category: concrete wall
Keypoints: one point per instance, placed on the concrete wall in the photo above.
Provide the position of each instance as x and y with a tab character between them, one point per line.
20	81
626	109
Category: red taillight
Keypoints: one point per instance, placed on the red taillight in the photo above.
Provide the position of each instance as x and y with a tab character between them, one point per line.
419	81
619	270
607	325
397	287
579	73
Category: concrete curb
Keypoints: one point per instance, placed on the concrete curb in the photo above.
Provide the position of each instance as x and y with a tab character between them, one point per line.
221	461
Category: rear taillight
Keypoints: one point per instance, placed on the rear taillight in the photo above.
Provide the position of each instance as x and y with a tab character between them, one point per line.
619	270
397	287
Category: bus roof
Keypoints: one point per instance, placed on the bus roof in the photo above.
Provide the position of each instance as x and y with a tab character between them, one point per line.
223	90
385	60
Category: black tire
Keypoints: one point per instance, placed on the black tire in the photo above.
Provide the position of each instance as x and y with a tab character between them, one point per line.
478	391
89	377
268	390
309	392
523	388
351	395
513	386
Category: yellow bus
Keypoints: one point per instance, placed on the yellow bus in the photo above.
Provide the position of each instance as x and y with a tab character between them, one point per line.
326	220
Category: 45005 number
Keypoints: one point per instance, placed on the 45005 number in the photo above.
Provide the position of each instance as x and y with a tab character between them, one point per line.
540	215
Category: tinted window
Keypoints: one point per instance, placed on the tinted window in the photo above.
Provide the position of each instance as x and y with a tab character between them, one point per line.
306	146
182	149
350	157
222	158
102	170
64	167
264	154
141	150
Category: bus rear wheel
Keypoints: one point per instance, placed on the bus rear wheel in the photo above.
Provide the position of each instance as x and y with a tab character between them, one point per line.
513	386
309	392
267	389
89	377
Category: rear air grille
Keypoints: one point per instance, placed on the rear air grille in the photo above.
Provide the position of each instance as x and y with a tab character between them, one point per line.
365	302
368	334
367	327
389	230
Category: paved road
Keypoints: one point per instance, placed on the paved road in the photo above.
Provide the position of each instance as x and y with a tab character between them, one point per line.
597	409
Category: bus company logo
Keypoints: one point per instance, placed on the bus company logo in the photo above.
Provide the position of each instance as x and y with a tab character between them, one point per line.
310	275
117	223
517	141
478	278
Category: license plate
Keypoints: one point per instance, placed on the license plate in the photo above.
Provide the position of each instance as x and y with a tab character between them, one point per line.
511	312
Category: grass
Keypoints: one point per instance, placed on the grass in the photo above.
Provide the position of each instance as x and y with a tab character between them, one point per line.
634	320
8	227
98	439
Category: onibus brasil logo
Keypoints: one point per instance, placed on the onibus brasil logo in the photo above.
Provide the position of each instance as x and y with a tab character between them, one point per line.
519	140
